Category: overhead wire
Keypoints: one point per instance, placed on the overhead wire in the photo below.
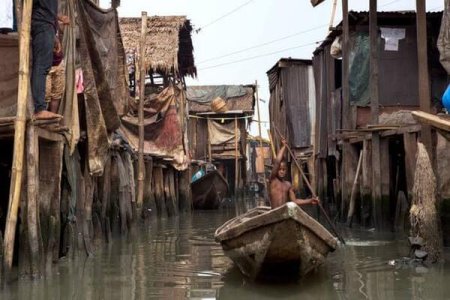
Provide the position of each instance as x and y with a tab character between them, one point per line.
258	56
224	16
275	40
264	44
389	3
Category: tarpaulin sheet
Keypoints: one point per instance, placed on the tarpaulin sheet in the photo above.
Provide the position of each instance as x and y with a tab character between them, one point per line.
9	75
162	126
222	133
103	64
205	94
359	69
69	103
443	42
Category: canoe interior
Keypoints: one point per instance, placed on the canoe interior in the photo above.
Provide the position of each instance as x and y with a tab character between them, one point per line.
266	242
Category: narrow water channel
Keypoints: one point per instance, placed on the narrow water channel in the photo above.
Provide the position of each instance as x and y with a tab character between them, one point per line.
178	259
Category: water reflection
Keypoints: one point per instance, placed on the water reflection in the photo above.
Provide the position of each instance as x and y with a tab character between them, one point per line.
178	259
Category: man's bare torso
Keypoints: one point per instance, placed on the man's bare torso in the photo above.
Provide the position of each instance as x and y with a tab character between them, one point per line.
279	192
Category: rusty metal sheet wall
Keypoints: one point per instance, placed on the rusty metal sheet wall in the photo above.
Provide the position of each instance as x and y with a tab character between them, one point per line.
398	72
322	132
296	99
277	115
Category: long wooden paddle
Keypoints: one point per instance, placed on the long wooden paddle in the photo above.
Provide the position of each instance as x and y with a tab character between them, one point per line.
311	189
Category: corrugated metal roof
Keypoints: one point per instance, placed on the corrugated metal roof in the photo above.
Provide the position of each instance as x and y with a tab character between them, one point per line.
285	62
362	18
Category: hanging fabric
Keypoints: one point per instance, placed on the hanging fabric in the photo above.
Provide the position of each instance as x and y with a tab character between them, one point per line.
6	14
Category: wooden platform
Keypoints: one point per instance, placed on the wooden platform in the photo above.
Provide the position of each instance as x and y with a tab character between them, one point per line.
50	130
359	135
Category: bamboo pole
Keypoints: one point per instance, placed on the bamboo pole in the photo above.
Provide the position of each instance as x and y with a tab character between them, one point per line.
260	134
141	175
351	209
19	136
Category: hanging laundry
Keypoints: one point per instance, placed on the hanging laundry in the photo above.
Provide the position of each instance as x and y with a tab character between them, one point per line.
6	14
79	80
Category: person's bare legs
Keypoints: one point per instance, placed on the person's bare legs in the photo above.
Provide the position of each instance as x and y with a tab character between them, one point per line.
54	105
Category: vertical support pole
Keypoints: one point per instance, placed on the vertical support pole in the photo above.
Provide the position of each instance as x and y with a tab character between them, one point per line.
374	112
236	161
18	7
209	143
260	134
272	147
141	175
19	136
34	234
424	79
345	67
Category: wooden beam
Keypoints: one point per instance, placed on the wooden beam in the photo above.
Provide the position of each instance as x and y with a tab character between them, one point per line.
141	166
19	137
433	120
48	135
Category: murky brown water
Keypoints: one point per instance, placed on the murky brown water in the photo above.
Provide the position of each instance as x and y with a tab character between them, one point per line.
178	259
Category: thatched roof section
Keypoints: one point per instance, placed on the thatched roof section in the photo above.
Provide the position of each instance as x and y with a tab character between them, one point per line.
316	2
169	45
245	102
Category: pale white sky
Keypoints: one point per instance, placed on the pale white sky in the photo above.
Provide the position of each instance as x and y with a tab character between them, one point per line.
256	22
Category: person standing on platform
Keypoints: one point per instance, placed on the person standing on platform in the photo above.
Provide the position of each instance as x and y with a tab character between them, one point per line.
44	24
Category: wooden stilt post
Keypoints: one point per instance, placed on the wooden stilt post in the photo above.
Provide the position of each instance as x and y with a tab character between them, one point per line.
19	136
374	112
236	162
351	209
34	234
141	175
260	135
345	67
424	78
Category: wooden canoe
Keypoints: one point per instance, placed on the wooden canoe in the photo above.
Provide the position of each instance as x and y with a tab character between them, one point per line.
285	240
209	191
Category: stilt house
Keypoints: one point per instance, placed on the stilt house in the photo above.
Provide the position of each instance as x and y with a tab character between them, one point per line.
168	60
366	136
292	112
68	197
220	137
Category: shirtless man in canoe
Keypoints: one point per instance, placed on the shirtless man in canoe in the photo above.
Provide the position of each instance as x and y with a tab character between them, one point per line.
281	190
